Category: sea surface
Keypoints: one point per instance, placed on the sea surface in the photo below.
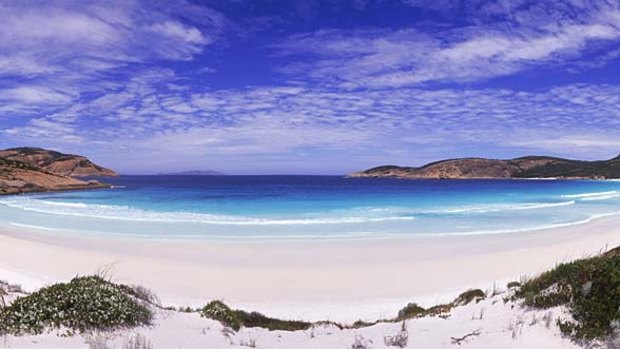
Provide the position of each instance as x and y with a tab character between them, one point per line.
310	207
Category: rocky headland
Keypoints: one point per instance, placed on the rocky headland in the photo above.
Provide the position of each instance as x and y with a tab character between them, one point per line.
481	168
27	170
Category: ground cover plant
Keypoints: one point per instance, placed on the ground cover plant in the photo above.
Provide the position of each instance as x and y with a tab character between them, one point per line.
589	288
83	304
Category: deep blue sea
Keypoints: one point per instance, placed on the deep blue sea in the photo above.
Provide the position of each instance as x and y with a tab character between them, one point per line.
298	207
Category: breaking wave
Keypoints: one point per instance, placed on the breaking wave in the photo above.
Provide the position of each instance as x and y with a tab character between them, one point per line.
133	214
593	195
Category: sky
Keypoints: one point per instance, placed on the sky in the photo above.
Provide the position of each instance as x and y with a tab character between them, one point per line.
309	86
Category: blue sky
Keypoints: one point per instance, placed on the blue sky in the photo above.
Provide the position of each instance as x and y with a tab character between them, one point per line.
309	86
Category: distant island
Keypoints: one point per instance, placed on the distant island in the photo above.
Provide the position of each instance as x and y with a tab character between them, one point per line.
192	173
481	168
27	170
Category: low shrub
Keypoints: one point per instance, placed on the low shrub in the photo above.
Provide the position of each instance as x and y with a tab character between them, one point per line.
513	284
362	323
219	311
235	319
255	319
589	288
411	310
469	296
85	303
440	309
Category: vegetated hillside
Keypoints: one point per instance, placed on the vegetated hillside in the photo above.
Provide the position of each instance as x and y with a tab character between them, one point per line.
572	168
56	162
524	167
18	177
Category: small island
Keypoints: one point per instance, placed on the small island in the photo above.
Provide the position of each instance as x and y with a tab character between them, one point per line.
192	173
480	168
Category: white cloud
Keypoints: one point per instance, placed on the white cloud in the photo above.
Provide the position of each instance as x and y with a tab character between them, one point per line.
352	128
384	58
67	49
123	31
33	94
178	31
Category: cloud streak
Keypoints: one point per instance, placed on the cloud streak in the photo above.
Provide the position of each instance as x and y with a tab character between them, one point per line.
51	51
263	122
412	56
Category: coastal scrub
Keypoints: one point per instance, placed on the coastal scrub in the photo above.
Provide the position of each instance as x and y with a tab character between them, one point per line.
236	319
589	288
83	304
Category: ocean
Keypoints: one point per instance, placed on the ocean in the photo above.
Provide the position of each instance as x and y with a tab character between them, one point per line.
310	207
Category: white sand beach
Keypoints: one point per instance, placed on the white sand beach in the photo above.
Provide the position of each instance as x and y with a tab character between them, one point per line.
309	174
310	280
488	324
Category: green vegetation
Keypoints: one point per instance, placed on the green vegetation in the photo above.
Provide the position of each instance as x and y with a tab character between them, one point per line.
524	167
573	168
513	284
411	310
589	288
387	168
27	151
219	311
469	296
236	319
20	165
83	304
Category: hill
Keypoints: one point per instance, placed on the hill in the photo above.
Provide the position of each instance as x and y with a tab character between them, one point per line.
27	170
480	168
56	162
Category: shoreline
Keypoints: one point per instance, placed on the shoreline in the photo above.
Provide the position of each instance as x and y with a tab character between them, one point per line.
222	238
265	239
310	280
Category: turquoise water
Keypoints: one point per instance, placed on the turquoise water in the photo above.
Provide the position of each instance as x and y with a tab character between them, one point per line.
298	207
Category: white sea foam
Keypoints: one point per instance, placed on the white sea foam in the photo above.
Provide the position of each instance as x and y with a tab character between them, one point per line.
589	195
539	227
351	235
354	216
503	207
36	227
336	219
405	211
601	197
127	213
